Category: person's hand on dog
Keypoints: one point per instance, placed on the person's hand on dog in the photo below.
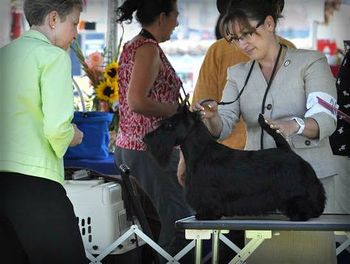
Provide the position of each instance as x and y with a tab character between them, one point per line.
208	108
209	112
289	127
286	128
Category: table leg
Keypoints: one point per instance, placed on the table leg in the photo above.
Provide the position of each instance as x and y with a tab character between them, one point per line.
257	237
198	253
215	247
198	236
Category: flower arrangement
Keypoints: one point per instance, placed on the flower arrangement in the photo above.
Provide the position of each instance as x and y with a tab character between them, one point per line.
103	79
102	72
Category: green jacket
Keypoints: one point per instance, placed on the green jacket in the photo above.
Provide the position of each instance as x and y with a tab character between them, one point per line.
36	107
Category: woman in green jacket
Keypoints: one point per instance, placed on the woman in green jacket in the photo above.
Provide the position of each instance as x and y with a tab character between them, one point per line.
36	216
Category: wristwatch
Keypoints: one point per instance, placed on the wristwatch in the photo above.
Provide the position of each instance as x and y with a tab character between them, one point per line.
301	124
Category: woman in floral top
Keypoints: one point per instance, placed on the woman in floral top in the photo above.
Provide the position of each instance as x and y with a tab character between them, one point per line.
148	92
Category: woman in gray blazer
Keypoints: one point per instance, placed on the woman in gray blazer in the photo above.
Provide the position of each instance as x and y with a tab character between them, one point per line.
283	84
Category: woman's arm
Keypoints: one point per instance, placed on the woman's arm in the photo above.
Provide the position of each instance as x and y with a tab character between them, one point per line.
318	82
56	93
145	71
290	127
181	170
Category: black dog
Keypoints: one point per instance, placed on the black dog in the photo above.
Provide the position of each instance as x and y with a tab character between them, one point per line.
221	181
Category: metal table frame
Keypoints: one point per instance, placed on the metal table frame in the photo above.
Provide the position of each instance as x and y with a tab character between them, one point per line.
257	229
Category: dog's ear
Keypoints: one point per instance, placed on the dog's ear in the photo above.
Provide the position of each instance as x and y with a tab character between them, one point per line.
185	101
186	109
179	107
182	108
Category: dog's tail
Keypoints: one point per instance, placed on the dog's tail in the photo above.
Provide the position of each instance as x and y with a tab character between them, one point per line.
279	139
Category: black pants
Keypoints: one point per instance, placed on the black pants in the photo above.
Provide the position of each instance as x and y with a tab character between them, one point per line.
37	222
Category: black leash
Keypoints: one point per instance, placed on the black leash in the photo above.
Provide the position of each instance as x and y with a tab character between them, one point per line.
137	210
265	95
240	93
245	83
146	34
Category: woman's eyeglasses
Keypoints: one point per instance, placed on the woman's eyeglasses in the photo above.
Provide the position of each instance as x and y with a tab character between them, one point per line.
234	39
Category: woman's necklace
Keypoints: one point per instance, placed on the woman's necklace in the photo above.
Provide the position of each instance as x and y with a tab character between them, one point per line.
146	34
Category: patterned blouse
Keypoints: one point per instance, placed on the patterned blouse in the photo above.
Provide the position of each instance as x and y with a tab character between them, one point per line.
133	126
340	140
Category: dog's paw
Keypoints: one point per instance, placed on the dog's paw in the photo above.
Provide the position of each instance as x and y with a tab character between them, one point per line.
207	217
300	218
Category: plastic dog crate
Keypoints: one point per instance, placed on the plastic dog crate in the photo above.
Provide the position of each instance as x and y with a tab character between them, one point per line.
100	212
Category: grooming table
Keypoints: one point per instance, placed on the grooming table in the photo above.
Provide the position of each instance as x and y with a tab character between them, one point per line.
257	229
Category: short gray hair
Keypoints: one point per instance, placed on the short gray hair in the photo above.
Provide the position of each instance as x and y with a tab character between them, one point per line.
36	10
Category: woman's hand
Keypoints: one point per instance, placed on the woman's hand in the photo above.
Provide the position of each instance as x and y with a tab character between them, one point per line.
209	111
286	128
78	136
208	108
181	170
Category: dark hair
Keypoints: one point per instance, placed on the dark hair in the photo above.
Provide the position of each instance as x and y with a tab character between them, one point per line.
146	10
36	10
244	10
222	5
218	33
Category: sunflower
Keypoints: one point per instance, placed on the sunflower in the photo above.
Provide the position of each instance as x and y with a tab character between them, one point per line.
111	71
107	90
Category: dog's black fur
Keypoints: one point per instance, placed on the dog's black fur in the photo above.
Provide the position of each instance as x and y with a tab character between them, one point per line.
221	181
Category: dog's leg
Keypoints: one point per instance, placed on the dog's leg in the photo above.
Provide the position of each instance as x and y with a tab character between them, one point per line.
205	214
298	209
206	206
